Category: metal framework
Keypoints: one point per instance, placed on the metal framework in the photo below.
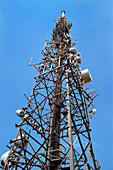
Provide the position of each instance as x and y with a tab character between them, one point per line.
54	132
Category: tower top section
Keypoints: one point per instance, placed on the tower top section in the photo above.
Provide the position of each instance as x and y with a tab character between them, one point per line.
61	31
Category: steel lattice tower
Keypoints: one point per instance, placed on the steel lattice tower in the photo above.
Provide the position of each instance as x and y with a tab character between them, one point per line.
54	132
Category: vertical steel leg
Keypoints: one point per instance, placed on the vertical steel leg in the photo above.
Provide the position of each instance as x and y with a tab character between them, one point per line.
71	154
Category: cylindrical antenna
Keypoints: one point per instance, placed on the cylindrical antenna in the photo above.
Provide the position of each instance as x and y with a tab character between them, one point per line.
63	13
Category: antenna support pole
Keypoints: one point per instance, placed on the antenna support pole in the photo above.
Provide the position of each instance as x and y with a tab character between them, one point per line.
71	154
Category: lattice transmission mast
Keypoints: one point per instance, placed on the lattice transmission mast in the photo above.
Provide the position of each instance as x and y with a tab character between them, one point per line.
54	132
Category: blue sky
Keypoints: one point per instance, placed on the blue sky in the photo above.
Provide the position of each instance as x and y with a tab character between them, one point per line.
25	25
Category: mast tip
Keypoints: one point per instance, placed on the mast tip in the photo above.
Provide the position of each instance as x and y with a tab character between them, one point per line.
63	13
